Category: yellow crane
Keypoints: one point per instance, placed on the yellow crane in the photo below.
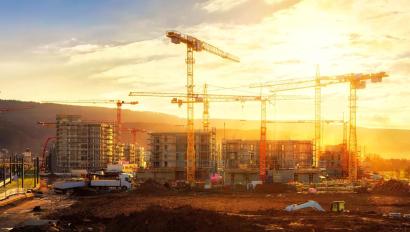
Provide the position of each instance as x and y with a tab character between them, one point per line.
193	45
356	81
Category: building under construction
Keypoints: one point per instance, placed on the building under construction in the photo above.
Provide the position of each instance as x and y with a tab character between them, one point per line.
241	159
82	145
169	152
335	160
133	154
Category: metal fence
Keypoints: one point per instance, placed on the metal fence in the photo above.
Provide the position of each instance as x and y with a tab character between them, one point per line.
5	182
11	192
18	176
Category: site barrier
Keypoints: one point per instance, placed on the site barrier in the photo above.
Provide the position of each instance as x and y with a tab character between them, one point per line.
11	192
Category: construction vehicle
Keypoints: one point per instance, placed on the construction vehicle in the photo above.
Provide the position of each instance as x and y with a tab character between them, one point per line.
123	182
193	44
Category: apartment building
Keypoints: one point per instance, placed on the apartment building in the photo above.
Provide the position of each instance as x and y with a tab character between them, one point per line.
168	155
82	145
241	158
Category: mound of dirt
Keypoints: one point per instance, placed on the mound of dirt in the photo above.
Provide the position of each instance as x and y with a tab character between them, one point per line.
274	188
184	218
152	186
392	187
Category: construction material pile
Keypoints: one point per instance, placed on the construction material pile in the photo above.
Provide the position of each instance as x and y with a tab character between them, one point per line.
392	187
152	186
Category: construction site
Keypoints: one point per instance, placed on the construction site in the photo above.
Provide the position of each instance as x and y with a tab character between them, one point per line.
199	181
94	174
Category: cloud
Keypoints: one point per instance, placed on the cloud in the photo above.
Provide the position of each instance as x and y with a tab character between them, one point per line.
275	40
292	61
220	5
401	66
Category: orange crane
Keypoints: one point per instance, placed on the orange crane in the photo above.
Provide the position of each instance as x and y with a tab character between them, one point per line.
356	81
134	132
44	147
119	103
197	45
224	98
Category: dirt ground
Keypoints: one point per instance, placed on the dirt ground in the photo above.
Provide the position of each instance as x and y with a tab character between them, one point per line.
197	211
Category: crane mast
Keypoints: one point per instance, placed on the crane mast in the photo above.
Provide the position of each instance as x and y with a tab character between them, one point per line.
262	142
193	44
352	145
318	122
205	115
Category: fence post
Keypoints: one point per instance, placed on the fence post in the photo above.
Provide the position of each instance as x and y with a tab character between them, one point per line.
4	171
22	172
38	171
10	165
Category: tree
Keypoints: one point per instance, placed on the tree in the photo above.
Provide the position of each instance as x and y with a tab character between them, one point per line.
407	172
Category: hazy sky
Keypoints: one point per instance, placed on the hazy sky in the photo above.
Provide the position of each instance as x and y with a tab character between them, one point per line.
102	49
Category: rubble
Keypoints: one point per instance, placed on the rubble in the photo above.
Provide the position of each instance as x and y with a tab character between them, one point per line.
152	187
392	187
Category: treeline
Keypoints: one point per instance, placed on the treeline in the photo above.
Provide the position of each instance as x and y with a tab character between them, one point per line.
377	163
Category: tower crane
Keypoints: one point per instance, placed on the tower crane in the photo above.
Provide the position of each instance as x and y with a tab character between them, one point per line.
46	141
193	44
229	98
356	81
118	103
205	99
134	132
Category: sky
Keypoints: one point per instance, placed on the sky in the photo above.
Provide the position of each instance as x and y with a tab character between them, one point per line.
54	50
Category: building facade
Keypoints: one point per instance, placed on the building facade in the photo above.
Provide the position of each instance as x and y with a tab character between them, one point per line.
82	145
241	158
335	160
168	155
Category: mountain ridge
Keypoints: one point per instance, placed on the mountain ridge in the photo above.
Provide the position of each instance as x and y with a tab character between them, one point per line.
19	129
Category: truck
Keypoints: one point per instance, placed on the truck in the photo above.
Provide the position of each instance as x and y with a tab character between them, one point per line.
123	182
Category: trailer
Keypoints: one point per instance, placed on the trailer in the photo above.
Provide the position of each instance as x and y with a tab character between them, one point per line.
121	181
69	185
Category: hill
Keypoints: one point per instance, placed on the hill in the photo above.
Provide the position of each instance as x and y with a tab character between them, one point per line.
19	129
